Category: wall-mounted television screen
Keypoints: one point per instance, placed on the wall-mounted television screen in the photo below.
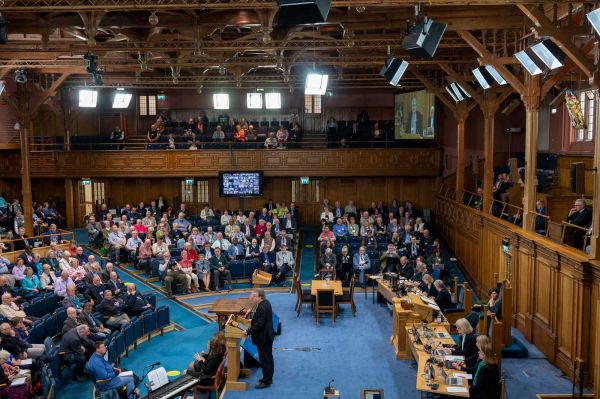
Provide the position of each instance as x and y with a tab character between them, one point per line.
240	184
414	116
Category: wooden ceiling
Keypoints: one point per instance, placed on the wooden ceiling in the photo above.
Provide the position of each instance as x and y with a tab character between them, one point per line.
238	44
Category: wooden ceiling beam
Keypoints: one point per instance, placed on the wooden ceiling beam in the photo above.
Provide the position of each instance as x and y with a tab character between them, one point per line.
490	59
50	92
562	38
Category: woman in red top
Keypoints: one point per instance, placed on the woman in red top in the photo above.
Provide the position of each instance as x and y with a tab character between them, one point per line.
240	134
139	227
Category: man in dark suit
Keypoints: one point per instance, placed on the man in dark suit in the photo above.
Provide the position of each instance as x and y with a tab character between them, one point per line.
540	221
414	120
580	216
135	303
262	333
95	291
413	249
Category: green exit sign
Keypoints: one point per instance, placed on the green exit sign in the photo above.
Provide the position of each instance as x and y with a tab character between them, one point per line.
305	180
189	181
86	182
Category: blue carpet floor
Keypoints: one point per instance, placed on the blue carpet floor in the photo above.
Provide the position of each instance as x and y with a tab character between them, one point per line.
307	266
356	352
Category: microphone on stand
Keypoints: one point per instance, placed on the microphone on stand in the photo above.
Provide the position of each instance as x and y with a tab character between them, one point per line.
329	389
154	364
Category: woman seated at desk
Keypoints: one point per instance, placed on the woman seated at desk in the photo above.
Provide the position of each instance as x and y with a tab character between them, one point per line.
442	297
486	378
480	341
467	345
427	286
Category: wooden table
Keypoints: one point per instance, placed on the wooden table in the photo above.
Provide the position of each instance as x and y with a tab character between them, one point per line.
223	308
421	356
324	285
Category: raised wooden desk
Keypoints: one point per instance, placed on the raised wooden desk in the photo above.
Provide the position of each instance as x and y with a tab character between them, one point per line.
223	308
336	285
421	356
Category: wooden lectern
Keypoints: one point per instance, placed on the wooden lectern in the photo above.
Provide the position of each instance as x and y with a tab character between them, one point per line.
260	278
235	330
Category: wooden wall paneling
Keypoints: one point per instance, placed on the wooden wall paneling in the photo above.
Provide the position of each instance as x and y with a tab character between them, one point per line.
545	288
595	365
564	171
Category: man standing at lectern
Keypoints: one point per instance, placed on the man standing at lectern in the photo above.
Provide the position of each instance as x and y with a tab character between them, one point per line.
263	335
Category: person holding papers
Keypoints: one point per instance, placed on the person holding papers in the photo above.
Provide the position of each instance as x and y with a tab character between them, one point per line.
106	376
486	380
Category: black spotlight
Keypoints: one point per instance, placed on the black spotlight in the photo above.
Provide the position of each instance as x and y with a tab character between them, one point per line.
3	32
21	76
297	12
423	39
97	78
90	61
393	71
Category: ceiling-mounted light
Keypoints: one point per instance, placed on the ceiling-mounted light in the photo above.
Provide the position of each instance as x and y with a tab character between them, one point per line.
394	70
495	74
457	92
153	19
316	84
594	18
97	78
461	92
549	53
88	98
486	76
90	62
528	62
424	38
21	76
451	92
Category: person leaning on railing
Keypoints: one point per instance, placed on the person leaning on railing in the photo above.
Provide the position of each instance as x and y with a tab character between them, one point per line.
541	221
580	215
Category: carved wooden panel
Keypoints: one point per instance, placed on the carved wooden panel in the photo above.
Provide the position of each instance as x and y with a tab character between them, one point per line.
207	163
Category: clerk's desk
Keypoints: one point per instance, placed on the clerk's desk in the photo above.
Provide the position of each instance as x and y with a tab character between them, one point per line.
426	335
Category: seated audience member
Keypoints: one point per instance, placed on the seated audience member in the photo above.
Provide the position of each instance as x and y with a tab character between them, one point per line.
10	310
442	298
97	330
94	292
4	271
404	268
271	141
339	228
344	266
221	243
236	250
71	299
353	229
76	271
108	377
494	304
159	248
203	271
30	285
361	263
112	310
71	321
94	230
61	284
47	278
220	268
413	249
328	262
253	250
6	377
283	239
21	240
580	215
135	303
541	222
117	136
218	134
390	260
210	236
327	215
74	344
186	266
115	285
132	246
284	261
207	214
260	228
326	235
171	271
18	270
427	286
19	330
267	260
117	241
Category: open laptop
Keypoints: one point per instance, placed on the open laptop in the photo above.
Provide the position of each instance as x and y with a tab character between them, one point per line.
455	381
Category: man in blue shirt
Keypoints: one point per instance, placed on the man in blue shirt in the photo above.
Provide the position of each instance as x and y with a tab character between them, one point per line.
183	225
340	229
106	376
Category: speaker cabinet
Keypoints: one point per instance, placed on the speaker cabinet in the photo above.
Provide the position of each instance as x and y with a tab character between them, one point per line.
578	177
423	39
298	12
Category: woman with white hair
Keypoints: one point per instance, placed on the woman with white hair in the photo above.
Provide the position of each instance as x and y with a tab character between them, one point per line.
467	342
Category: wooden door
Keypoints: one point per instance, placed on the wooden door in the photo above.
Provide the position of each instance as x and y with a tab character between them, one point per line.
307	197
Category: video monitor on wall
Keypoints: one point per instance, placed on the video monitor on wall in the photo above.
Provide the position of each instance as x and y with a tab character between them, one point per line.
414	116
240	184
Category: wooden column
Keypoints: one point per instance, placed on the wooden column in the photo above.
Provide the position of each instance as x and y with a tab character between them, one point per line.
531	99
461	114
595	239
23	114
597	360
70	203
489	111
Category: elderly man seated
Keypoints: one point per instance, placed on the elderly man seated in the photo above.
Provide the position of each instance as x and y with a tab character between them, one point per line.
11	311
61	284
111	309
74	345
71	300
135	303
97	330
284	261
